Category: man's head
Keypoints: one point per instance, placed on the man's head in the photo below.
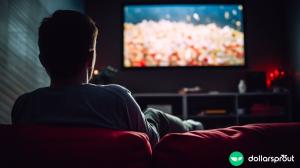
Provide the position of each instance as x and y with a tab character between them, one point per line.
67	41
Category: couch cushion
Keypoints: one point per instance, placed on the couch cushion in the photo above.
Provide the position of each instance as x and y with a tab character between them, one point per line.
211	148
43	146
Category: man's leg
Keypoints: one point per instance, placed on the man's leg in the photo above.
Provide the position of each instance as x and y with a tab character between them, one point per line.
166	123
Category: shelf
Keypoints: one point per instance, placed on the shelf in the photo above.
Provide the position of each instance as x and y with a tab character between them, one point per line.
188	106
207	94
225	116
248	119
156	95
262	116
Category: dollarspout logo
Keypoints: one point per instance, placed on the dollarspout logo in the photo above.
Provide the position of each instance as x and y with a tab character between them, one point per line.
236	158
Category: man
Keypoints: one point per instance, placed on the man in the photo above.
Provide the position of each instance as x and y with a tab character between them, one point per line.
67	43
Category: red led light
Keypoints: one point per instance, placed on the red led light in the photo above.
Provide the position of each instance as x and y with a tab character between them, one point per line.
276	72
268	83
274	75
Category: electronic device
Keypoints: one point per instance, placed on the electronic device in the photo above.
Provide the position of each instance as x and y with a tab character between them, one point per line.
183	35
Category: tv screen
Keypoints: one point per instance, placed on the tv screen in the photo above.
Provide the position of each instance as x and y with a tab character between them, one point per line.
170	35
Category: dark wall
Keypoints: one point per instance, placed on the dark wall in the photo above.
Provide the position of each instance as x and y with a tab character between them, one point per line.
265	41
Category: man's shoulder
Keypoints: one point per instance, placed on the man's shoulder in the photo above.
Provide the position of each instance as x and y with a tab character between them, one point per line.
20	102
23	97
29	94
116	87
111	90
117	90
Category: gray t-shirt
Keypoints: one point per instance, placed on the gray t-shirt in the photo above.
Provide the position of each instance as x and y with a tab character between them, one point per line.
104	106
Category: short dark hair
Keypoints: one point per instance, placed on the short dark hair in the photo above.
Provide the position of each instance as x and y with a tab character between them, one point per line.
65	40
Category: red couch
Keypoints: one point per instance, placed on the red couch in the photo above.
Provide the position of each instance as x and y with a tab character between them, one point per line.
45	147
42	146
211	148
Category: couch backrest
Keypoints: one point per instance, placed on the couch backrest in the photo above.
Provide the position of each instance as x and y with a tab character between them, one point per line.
211	148
42	146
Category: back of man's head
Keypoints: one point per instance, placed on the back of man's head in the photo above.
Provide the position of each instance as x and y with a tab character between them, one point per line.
66	40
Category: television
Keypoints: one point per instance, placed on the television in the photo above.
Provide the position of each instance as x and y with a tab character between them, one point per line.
183	35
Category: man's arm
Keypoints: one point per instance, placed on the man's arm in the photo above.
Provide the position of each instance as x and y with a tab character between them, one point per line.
136	117
140	122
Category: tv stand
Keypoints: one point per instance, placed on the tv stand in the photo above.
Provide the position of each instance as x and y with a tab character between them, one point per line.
222	109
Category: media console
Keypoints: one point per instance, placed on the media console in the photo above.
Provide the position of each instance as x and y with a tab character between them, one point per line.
221	109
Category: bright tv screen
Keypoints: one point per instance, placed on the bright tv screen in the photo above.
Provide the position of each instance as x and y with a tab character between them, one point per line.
198	35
